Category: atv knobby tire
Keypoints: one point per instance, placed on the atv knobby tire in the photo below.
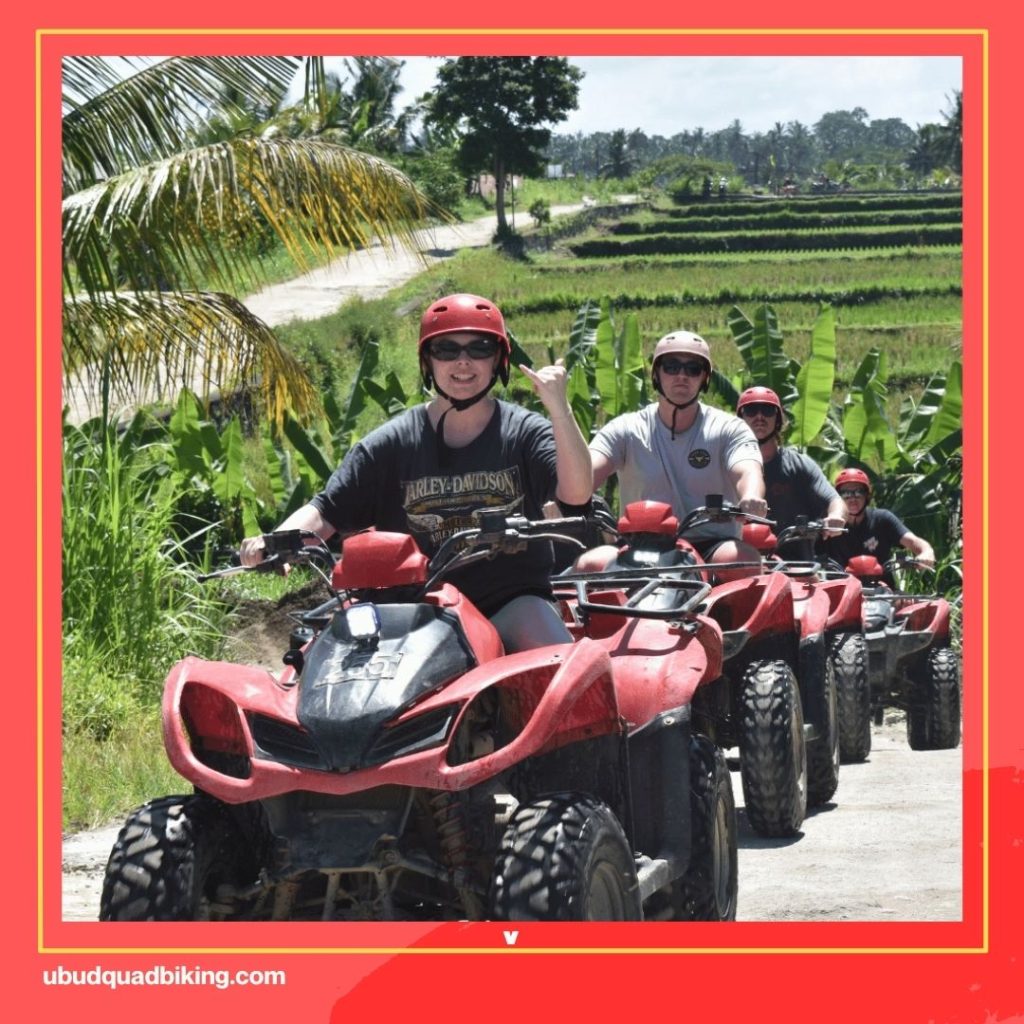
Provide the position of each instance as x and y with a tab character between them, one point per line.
773	754
168	861
821	709
565	858
707	892
933	714
853	692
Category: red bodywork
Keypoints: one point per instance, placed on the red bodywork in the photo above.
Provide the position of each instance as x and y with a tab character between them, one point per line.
607	681
920	615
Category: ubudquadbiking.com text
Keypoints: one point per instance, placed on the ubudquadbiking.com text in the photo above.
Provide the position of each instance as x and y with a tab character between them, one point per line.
180	975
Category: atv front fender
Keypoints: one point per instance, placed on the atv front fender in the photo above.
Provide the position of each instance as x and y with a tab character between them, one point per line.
576	699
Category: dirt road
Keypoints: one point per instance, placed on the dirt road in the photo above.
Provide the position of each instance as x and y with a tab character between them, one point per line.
887	849
369	273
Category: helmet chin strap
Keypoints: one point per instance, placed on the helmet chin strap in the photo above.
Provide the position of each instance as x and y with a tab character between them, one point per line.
677	407
459	405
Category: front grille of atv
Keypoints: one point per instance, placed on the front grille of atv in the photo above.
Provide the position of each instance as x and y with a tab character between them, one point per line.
419	733
278	741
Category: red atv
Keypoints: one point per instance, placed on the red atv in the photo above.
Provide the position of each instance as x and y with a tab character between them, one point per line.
776	674
847	645
402	767
910	662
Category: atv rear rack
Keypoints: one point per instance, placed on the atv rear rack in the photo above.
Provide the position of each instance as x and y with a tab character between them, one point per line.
693	592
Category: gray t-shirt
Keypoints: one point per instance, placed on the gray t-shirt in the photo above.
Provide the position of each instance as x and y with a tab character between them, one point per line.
794	486
683	471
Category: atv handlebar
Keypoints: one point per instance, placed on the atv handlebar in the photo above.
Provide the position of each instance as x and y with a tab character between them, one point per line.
715	510
497	534
281	548
805	529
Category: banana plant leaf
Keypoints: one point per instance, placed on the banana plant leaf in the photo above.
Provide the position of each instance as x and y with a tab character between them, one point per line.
814	381
305	444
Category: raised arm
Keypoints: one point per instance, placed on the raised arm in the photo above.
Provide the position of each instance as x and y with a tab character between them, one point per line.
573	465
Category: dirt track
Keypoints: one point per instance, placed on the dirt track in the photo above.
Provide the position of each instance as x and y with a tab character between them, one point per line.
369	273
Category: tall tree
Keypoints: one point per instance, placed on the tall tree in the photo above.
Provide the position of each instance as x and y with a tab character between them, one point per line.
151	218
620	161
500	104
953	131
841	133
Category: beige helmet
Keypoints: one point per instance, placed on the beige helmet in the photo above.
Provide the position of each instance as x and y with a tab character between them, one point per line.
681	343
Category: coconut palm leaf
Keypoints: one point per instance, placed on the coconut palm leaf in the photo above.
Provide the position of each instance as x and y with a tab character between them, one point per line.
113	122
177	222
165	197
150	345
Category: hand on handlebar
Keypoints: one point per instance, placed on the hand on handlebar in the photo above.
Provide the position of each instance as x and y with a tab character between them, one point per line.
252	551
274	548
754	506
833	526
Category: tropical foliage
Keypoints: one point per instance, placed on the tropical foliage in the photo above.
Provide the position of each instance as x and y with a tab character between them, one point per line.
498	106
162	227
846	146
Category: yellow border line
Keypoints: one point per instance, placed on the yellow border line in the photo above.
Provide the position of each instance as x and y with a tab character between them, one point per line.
653	31
440	950
519	951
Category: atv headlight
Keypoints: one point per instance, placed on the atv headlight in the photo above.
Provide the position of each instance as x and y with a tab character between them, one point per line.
363	621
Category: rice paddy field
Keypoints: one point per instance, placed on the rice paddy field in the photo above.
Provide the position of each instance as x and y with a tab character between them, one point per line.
903	298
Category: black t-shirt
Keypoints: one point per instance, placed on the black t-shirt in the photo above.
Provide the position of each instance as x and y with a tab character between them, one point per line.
876	534
394	479
794	485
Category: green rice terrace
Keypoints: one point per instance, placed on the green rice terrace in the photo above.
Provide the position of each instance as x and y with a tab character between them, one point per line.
889	266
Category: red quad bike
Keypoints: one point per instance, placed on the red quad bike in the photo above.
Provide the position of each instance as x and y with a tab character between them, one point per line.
402	767
910	662
776	675
844	634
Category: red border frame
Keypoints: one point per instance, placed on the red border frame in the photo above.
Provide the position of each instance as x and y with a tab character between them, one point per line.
947	971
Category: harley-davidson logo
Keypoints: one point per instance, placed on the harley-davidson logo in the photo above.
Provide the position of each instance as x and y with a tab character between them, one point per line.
699	458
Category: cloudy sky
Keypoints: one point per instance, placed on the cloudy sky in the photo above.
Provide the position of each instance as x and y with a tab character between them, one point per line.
666	95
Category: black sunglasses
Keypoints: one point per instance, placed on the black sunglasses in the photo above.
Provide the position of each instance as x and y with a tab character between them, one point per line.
758	409
448	351
674	367
853	492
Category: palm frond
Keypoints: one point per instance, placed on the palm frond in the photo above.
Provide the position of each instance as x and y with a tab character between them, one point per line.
144	348
202	213
113	123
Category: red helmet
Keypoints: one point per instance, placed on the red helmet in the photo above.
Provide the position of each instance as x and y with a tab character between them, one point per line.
681	343
853	476
765	395
463	312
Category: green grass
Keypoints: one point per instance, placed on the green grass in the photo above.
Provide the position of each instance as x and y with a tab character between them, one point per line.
105	780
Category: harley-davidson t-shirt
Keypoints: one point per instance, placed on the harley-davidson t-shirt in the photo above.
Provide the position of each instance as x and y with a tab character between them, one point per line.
398	478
